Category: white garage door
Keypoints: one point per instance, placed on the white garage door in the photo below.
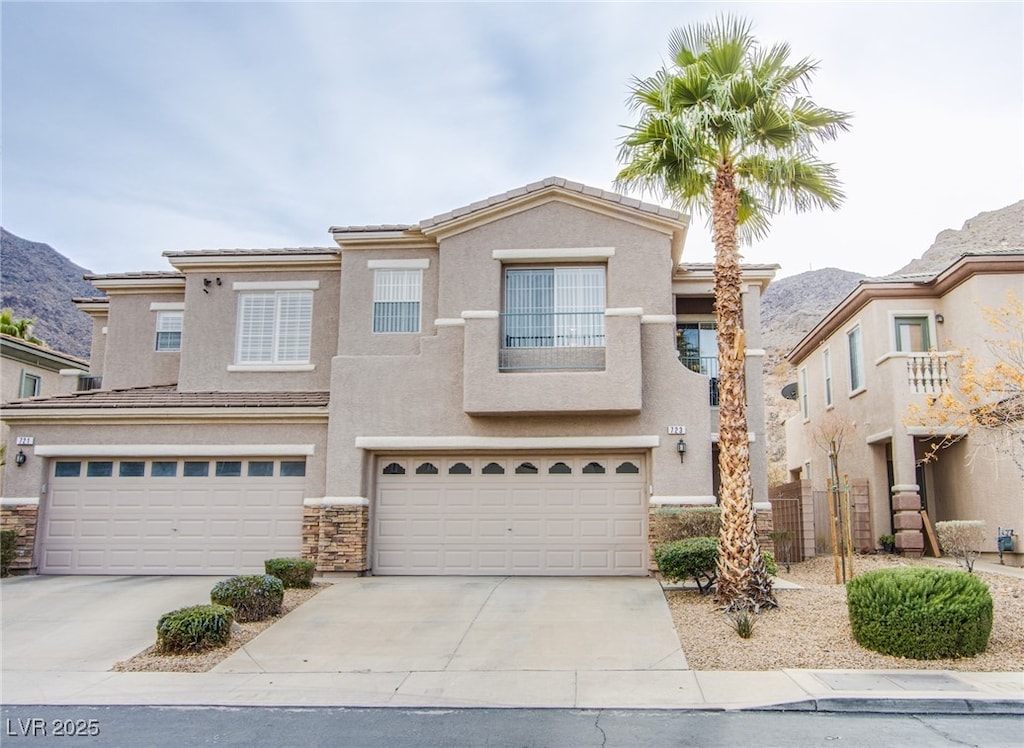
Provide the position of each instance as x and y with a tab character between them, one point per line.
525	515
171	516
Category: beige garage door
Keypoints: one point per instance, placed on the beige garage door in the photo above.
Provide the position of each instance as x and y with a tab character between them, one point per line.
173	516
525	515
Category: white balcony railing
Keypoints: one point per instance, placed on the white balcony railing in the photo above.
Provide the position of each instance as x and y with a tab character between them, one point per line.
927	372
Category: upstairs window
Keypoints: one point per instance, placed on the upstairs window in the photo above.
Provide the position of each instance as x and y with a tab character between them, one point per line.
397	294
856	349
30	384
827	362
168	331
912	334
554	307
274	327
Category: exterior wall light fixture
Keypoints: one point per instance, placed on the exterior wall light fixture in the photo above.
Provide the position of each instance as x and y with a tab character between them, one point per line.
681	449
20	458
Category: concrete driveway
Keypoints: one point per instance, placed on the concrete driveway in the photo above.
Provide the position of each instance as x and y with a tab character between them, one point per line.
499	641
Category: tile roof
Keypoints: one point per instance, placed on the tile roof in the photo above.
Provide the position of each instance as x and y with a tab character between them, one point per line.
256	252
168	396
504	197
143	275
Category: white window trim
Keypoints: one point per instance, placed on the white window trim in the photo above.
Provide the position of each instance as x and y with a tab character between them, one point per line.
829	380
301	285
408	264
805	409
25	375
272	287
161	315
854	391
167	306
578	254
373	315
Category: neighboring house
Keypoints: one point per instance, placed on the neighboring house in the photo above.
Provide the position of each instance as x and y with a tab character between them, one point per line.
892	342
30	370
495	390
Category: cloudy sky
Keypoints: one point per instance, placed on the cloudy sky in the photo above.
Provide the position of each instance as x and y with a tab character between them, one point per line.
134	128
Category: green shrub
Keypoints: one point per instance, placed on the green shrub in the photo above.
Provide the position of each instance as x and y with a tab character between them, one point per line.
253	596
8	550
692	558
294	572
194	629
690	521
697	559
921	613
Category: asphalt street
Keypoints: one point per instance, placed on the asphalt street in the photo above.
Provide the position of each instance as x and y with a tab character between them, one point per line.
140	726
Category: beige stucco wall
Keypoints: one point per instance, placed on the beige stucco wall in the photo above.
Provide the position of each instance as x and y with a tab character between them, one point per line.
970	480
419	390
208	339
130	355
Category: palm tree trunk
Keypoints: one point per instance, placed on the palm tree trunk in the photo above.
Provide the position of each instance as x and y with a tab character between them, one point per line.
743	583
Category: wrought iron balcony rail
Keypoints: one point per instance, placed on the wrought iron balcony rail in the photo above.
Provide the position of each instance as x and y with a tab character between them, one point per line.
552	341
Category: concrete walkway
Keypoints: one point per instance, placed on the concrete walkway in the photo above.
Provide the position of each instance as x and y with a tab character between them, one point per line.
433	641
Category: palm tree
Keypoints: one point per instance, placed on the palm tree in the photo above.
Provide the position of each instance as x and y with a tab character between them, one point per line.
724	129
18	328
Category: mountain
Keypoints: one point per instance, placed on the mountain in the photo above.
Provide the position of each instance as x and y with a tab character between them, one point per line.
38	282
790	308
991	231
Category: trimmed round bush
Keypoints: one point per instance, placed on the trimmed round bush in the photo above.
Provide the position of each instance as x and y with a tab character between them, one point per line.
194	629
253	596
691	558
294	572
920	613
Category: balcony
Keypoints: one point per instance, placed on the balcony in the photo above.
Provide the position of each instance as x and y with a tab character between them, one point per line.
927	372
576	363
553	341
706	365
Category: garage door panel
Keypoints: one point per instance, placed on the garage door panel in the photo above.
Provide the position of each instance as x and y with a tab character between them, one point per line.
555	520
184	525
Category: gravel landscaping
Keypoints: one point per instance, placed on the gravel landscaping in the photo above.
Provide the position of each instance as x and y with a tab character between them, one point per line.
149	660
811	628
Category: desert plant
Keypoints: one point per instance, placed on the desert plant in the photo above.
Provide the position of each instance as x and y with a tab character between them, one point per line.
692	521
8	550
887	542
961	539
770	565
294	572
783	540
194	629
253	596
690	558
742	622
920	613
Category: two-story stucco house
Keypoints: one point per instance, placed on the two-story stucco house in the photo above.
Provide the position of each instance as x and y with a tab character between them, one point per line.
508	388
895	341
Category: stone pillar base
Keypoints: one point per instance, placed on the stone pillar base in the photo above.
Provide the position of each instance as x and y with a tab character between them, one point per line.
22	518
335	537
908	523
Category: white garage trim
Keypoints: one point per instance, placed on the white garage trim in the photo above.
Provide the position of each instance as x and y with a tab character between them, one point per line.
337	501
175	450
506	443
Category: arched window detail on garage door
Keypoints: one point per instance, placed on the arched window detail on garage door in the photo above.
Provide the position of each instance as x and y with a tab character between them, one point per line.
627	467
526	468
560	468
593	468
393	468
493	468
427	468
460	468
